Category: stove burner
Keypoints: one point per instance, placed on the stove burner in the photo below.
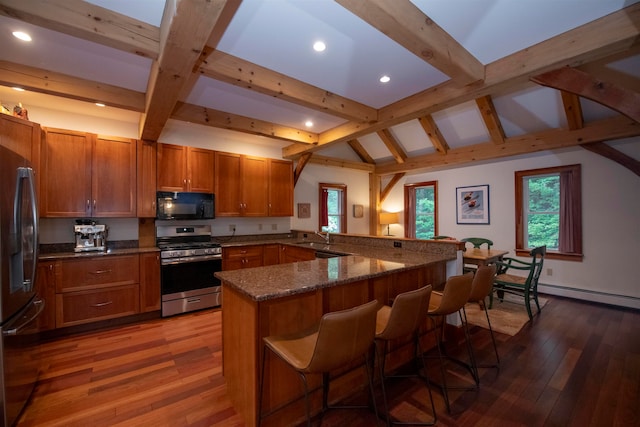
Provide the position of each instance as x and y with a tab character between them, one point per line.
186	242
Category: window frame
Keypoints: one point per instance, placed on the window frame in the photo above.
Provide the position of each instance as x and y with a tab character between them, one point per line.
410	205
575	209
342	202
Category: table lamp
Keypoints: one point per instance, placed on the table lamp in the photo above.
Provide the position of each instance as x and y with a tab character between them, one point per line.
388	218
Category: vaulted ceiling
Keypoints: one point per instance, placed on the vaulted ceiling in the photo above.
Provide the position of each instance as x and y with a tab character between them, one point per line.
470	81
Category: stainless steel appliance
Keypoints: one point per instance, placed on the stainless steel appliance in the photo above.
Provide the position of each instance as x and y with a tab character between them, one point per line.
19	305
189	206
188	261
90	236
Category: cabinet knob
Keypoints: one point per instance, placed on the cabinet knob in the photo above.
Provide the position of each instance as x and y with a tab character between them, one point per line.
88	204
94	204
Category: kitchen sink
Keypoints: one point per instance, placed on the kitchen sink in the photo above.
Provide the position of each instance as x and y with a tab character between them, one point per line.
328	254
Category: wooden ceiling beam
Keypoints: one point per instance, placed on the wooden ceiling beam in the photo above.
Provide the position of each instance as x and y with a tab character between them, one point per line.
617	156
87	21
57	84
392	145
616	32
220	119
431	129
186	27
341	163
602	130
491	119
302	162
357	147
244	74
405	23
572	110
608	94
392	183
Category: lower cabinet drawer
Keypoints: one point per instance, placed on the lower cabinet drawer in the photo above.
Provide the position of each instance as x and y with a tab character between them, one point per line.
74	308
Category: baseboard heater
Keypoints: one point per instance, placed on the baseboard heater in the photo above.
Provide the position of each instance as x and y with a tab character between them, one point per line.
592	296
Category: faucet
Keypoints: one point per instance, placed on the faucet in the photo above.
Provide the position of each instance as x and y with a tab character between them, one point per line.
325	237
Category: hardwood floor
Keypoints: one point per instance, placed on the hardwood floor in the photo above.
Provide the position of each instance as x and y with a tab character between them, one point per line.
576	364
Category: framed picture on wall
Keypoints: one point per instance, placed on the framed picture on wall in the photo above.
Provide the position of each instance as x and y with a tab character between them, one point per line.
472	205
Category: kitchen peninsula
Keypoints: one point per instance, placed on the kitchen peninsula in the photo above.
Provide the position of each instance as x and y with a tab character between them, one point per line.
287	298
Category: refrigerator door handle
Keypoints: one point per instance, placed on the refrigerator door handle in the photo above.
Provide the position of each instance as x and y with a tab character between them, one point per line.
24	174
34	214
39	304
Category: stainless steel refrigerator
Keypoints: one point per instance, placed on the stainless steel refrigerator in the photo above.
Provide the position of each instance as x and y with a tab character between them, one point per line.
19	304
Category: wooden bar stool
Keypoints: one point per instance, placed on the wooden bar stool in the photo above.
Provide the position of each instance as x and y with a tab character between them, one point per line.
341	337
402	319
452	300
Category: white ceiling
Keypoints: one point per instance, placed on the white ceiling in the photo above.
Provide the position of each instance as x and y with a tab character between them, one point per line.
278	35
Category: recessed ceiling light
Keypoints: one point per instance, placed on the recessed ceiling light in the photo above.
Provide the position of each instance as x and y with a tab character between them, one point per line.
19	89
22	36
100	104
385	79
308	123
319	46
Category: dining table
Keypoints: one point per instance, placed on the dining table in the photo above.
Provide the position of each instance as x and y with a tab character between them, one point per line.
482	256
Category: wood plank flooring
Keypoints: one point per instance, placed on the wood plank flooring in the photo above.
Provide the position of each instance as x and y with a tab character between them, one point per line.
576	364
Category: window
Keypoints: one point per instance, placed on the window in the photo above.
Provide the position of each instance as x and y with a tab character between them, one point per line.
333	200
421	206
549	211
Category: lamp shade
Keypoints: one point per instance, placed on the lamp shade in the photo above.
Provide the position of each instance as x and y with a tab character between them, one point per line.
389	218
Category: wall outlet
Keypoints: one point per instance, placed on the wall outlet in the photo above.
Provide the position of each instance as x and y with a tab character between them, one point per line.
232	227
397	244
549	271
274	226
259	227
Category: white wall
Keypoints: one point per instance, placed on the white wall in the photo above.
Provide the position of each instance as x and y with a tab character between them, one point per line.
306	191
611	220
611	204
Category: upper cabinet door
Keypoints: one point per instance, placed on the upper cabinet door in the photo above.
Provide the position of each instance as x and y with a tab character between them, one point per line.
254	173
172	167
146	179
280	188
66	174
200	164
114	177
182	168
227	184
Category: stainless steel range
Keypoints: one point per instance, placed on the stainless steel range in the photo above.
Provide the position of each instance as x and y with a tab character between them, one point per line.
188	262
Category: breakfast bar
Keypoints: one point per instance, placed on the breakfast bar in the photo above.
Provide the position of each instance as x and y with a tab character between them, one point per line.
287	298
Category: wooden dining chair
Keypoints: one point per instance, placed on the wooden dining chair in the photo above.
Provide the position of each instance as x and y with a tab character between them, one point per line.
477	242
525	286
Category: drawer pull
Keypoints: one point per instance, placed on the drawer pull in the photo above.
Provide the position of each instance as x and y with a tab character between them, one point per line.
101	271
193	300
102	304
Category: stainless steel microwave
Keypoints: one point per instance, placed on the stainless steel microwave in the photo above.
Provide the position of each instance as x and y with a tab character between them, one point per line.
184	205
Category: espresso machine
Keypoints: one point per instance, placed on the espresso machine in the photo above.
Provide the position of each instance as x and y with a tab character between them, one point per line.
90	236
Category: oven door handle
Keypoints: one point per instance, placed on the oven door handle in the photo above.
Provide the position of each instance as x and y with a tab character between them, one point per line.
183	260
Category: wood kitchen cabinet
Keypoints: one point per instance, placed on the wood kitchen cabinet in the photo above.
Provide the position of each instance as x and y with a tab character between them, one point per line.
20	136
235	258
280	188
290	253
149	282
271	254
46	289
182	168
241	184
146	179
87	175
97	288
